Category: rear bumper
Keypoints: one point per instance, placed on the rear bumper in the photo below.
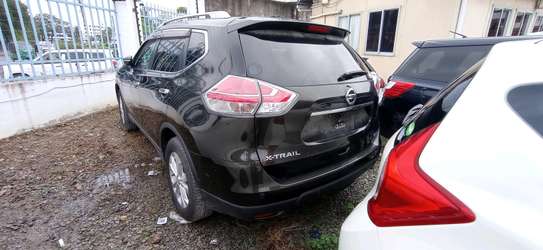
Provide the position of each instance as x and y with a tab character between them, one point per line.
300	198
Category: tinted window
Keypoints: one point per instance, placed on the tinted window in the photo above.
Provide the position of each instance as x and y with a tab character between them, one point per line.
442	64
527	101
389	30
196	49
170	55
145	55
374	28
382	31
296	59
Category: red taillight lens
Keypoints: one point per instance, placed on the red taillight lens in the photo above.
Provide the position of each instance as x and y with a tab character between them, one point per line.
407	196
395	89
318	29
246	96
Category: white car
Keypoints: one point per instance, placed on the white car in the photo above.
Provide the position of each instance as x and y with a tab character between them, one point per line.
63	62
465	171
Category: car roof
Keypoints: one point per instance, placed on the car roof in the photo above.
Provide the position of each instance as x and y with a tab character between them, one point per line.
456	42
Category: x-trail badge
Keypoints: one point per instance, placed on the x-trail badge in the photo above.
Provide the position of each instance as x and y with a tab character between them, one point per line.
350	96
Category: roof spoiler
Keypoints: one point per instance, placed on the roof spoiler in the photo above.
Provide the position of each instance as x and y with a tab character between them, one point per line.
296	26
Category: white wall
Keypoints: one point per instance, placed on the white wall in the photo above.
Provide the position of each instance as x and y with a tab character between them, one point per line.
28	105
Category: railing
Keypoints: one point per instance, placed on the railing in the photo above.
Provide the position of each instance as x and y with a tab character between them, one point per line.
151	16
57	38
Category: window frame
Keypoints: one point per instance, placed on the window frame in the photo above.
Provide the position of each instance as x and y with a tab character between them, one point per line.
529	24
187	67
378	52
138	55
348	38
536	17
506	28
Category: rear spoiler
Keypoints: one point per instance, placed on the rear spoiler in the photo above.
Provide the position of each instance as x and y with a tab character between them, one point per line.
290	25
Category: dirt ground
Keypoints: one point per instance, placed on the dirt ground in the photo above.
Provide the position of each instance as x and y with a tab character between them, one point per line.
86	182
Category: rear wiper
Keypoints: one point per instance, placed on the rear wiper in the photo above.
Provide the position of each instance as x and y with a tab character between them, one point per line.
351	75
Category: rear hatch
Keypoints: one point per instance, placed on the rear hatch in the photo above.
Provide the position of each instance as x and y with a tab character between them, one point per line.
336	99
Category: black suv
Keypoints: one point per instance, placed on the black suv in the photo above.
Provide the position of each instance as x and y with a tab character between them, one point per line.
253	116
430	67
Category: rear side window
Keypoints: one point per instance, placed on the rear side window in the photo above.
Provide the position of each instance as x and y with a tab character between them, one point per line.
442	64
197	47
296	58
527	101
170	55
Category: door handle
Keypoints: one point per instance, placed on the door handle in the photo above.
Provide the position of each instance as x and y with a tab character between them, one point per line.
163	91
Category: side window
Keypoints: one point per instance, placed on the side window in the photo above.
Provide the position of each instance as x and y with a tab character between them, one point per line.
197	47
526	102
170	54
145	55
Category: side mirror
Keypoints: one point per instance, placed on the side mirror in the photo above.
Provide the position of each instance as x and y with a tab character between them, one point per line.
127	60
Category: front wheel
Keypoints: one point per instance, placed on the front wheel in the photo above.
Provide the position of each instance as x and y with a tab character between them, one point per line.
126	123
186	194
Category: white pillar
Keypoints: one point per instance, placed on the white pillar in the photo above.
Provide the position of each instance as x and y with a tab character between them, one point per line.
128	27
462	9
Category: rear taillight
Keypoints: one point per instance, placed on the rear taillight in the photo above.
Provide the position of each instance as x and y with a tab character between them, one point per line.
243	96
395	89
114	63
407	196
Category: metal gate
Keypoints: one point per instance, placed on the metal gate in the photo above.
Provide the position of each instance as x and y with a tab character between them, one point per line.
151	16
57	38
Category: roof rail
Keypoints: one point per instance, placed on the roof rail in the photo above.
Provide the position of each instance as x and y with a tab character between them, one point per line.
206	15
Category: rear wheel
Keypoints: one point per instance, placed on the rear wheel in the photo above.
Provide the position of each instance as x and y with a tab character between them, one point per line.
186	194
126	123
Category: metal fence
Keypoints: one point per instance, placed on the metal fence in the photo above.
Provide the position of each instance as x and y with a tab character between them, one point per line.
56	38
151	16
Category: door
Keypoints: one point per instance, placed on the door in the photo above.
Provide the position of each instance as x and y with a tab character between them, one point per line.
137	74
165	85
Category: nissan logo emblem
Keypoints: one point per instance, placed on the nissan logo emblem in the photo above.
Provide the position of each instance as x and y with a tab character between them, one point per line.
350	96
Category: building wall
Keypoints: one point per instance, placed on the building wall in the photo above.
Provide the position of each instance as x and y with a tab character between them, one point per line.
417	20
252	8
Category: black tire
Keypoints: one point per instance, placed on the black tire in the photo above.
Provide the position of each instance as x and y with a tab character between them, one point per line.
196	208
126	122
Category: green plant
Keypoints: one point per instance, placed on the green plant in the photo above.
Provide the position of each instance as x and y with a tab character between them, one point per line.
324	242
349	206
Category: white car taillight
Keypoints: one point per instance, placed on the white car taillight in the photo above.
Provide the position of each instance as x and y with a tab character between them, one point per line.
243	96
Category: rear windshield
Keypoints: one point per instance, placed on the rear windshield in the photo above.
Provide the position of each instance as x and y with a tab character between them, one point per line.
443	64
291	58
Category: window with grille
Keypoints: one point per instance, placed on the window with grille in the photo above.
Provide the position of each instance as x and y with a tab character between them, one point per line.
498	22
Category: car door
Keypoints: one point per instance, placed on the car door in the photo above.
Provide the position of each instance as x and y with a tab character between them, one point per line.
136	74
163	84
